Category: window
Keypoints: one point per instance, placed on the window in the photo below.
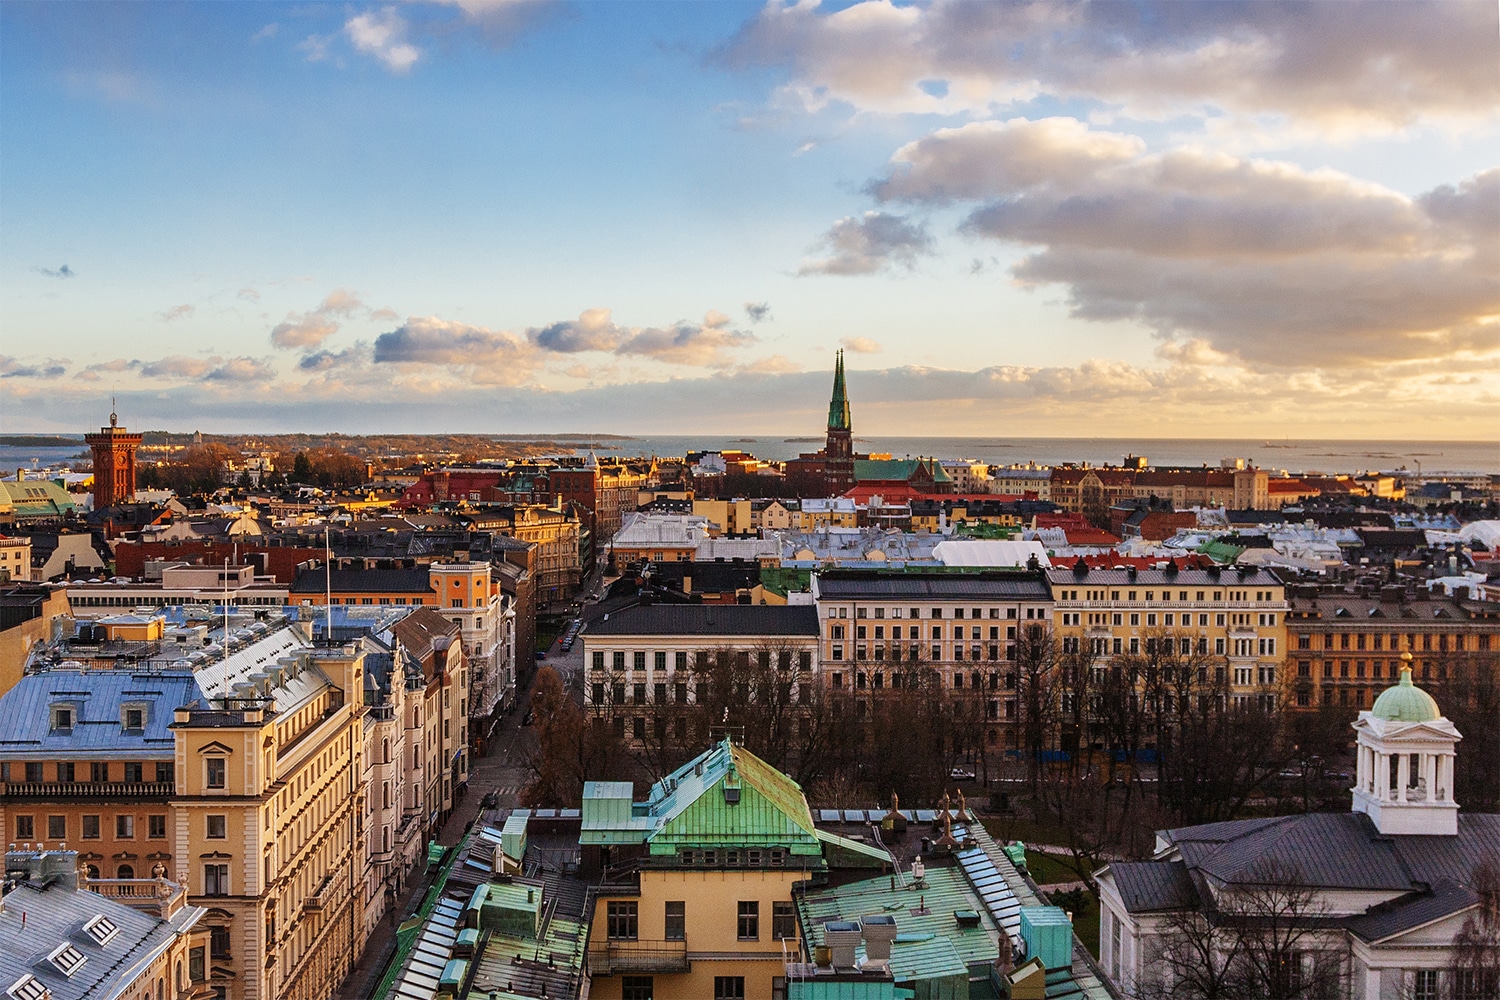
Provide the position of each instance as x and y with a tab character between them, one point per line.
216	772
135	772
749	920
215	883
57	828
167	771
62	717
215	827
598	659
783	921
638	660
597	694
101	929
622	920
99	771
124	827
91	828
67	959
28	988
156	827
34	771
133	716
637	988
195	965
218	942
1425	984
729	988
676	920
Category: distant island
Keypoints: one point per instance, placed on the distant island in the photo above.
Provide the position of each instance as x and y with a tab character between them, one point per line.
38	441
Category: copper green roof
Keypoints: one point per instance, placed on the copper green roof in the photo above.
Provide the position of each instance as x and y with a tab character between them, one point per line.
1405	702
838	406
36	498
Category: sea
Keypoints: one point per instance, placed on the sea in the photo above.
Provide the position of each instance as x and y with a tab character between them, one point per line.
1291	455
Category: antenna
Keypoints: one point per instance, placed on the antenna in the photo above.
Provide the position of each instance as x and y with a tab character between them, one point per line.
328	582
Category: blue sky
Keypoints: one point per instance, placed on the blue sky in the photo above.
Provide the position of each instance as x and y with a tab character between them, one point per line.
1183	218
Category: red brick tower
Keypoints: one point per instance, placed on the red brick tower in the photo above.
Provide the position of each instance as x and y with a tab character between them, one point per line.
114	463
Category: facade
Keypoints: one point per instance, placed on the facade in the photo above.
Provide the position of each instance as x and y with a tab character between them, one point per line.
114	463
238	774
651	654
873	625
558	537
1346	647
82	939
1235	617
26	615
1365	904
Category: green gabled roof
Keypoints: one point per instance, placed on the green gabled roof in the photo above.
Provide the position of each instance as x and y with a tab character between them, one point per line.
36	498
893	469
692	809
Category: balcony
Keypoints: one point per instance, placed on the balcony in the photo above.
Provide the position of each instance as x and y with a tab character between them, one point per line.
155	896
612	957
328	893
52	790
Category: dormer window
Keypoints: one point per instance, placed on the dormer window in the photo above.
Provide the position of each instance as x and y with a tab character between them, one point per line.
28	987
67	959
101	929
133	717
62	717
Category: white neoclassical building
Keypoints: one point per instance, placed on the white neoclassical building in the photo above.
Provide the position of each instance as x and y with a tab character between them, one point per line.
1382	891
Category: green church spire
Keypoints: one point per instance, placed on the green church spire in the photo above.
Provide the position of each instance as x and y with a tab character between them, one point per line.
838	406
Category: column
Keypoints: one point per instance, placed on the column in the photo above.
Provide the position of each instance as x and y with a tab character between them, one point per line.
1429	774
1359	766
1403	776
1382	777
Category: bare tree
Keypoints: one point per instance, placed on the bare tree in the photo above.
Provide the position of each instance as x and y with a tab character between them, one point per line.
1476	946
570	747
1284	951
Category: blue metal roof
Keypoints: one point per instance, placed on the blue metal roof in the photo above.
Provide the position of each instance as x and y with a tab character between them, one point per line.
95	696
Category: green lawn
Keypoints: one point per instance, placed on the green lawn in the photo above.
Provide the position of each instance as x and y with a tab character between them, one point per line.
1045	868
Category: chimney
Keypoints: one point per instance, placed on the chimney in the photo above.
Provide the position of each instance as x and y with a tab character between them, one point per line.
842	937
879	931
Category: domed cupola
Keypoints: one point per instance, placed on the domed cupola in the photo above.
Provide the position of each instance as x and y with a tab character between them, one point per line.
1406	750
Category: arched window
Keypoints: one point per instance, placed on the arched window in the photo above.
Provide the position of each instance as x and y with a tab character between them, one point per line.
93	870
181	983
125	871
385	747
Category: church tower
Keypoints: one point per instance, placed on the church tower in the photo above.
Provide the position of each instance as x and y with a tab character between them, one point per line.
1406	750
838	453
114	463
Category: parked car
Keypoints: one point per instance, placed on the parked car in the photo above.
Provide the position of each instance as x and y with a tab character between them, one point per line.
961	774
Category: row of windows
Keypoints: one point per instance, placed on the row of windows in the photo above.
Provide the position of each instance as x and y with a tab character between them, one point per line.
843	612
725	988
616	659
1199	596
100	771
915	632
1171	619
622	920
91	827
1379	640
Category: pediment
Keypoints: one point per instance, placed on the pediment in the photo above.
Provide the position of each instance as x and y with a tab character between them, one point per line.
215	748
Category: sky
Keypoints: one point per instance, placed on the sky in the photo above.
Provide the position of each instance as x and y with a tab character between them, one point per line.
1180	219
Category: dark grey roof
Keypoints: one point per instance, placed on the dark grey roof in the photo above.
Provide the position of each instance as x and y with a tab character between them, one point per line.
1251	576
853	586
709	619
1147	886
1412	911
1339	850
364	581
55	915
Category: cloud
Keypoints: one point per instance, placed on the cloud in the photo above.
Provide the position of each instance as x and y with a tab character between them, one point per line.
13	368
322	361
759	312
869	243
311	328
1268	261
776	364
683	343
861	345
248	295
382	34
266	33
982	157
209	369
315	47
500	21
176	312
62	272
95	371
495	357
1347	67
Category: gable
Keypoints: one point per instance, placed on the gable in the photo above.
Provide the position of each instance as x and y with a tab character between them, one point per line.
755	821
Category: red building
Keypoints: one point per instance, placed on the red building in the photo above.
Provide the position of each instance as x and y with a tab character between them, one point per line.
114	463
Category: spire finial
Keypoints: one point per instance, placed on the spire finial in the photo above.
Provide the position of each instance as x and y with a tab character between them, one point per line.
114	418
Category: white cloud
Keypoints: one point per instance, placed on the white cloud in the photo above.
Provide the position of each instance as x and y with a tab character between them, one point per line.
183	311
861	345
312	328
1346	67
382	34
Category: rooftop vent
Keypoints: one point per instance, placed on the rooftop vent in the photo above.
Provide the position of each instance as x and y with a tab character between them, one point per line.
101	929
67	959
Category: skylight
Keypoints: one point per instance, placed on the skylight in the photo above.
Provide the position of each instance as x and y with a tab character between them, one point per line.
68	959
101	929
